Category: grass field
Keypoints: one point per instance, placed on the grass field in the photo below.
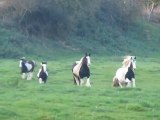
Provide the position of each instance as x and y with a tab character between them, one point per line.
59	99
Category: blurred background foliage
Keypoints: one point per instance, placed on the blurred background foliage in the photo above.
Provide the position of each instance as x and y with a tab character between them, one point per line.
114	27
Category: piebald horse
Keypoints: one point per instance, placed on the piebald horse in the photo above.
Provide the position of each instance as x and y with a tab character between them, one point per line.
43	74
80	70
125	75
27	68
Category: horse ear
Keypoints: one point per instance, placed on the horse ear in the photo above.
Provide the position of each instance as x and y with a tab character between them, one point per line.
87	54
134	57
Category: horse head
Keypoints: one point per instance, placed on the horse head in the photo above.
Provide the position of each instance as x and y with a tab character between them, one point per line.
88	59
22	61
44	66
129	61
133	59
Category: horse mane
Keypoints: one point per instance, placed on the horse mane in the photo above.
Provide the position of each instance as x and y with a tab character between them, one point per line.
126	61
84	60
42	69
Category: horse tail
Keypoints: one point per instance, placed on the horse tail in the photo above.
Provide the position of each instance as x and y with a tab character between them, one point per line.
115	82
74	80
74	64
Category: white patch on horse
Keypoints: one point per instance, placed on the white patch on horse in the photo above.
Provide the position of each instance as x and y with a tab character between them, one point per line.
29	66
89	60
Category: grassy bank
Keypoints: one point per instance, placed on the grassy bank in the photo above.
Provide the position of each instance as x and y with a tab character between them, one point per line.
141	39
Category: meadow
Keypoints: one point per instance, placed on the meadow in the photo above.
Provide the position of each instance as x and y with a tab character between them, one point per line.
60	99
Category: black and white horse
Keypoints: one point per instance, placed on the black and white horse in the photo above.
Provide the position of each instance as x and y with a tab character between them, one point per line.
43	74
27	68
125	75
80	70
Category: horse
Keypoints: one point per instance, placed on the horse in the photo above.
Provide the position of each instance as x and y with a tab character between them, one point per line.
27	68
125	75
43	74
80	70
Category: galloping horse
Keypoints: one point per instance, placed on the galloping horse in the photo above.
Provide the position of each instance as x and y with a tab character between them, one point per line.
125	75
43	74
80	70
27	68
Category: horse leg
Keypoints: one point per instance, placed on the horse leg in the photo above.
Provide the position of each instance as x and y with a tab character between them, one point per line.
120	84
45	81
128	82
74	80
81	82
115	82
40	81
29	76
23	75
88	83
133	82
77	81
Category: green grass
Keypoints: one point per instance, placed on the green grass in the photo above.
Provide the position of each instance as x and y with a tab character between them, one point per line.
59	99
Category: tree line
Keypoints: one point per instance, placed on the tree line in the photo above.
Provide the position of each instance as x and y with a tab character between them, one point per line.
60	18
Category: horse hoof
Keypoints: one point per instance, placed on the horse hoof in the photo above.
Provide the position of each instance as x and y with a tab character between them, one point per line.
88	85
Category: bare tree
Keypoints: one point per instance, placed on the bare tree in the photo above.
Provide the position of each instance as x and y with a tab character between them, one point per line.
149	6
